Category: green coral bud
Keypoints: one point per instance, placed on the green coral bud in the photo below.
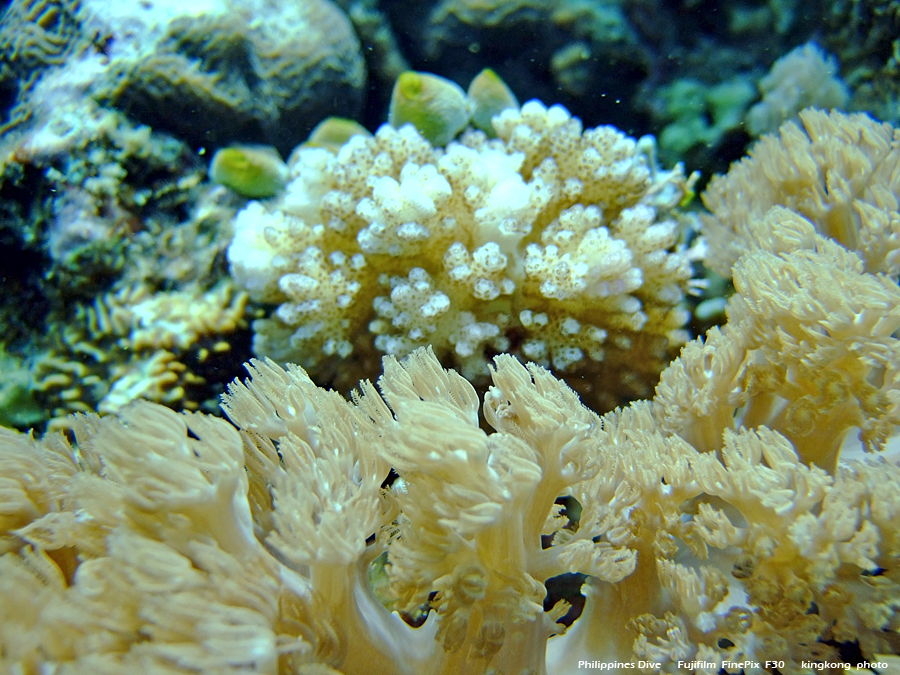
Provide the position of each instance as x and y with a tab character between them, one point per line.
18	407
434	105
251	171
332	132
689	195
489	96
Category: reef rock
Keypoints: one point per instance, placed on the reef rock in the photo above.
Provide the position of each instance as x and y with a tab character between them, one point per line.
229	71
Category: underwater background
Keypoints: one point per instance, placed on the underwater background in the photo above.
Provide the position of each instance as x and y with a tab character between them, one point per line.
683	215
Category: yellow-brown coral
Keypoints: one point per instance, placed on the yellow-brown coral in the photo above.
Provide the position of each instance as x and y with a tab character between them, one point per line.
131	345
810	349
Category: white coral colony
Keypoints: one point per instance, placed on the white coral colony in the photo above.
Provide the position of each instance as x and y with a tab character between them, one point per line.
549	241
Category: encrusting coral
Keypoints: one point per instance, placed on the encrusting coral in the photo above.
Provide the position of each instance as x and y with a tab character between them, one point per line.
168	321
555	243
133	344
263	70
35	35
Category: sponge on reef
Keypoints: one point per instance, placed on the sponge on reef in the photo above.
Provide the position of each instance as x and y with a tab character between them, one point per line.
436	106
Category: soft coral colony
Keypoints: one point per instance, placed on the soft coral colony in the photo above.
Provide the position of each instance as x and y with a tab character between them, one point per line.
717	522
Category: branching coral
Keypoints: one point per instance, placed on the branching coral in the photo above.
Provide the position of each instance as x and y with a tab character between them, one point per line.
551	242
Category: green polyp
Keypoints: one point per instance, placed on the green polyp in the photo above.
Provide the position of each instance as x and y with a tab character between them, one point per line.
489	96
332	132
434	105
255	172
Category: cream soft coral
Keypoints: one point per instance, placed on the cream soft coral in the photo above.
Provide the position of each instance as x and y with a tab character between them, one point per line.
174	543
842	172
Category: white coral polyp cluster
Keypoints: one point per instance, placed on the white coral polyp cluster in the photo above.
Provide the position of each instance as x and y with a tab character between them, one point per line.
450	247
